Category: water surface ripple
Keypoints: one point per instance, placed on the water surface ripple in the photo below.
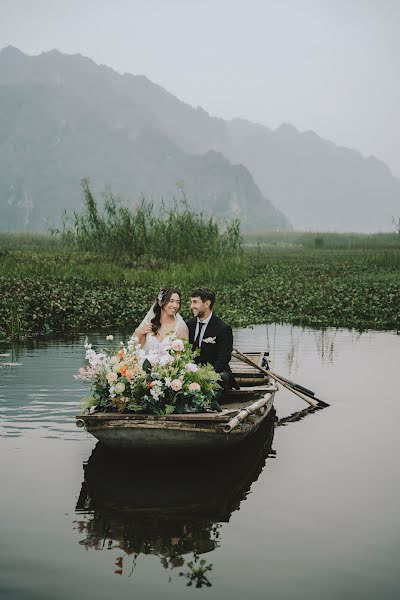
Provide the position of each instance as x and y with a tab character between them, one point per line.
307	509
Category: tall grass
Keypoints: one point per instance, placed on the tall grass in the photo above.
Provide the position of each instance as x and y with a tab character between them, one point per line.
175	232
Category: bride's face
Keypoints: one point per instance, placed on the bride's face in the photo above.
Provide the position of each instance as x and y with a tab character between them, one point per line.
172	306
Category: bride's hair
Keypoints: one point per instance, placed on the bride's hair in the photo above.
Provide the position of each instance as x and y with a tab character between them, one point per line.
163	297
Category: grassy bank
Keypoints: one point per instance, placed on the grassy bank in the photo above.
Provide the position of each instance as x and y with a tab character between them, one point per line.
47	289
320	240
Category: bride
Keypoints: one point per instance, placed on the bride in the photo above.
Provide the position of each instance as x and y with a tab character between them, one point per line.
162	322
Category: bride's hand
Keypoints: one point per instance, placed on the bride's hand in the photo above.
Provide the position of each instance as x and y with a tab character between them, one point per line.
144	328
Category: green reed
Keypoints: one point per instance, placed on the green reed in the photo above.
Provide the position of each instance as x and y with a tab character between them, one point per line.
13	324
174	232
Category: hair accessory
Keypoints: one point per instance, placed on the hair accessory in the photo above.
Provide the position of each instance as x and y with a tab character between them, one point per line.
160	297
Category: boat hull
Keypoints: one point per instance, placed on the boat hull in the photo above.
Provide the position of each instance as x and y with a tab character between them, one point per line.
188	432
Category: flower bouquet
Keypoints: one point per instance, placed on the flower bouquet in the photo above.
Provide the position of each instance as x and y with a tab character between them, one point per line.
128	380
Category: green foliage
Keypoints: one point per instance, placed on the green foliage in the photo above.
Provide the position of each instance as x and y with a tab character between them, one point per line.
57	291
197	572
175	232
87	403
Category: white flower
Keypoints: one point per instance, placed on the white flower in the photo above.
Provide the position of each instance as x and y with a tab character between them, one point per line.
116	367
210	340
112	391
155	393
166	359
111	377
152	358
86	344
177	345
191	367
120	387
109	338
168	381
92	409
121	343
114	360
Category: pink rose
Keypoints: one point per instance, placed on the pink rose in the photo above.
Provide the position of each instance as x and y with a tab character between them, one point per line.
194	387
176	384
177	345
191	367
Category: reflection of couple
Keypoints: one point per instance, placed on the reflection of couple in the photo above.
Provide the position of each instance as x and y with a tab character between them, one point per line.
204	331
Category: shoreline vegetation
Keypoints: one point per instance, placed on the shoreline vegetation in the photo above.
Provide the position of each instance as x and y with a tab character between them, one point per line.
69	282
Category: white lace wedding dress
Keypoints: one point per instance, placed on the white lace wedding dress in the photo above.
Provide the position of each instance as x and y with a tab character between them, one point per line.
159	349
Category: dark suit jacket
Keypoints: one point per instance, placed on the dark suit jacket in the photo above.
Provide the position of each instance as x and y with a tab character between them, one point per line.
218	354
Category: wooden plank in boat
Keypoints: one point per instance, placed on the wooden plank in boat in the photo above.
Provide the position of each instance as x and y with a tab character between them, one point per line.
240	368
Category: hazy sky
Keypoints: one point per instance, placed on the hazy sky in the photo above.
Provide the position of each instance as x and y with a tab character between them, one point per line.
332	66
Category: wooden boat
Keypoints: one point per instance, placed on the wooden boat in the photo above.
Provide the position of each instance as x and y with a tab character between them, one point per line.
243	412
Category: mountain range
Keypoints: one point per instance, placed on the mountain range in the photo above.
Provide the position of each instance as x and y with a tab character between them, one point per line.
63	117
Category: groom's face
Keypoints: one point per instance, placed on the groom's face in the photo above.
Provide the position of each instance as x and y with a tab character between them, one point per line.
199	308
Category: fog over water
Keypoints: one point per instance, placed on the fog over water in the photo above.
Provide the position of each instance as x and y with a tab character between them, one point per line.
325	65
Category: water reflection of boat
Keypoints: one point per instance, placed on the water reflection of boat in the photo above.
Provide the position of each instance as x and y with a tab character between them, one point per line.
169	508
243	412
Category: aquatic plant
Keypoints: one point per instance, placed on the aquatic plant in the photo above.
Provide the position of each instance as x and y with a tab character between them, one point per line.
173	232
58	291
12	323
196	573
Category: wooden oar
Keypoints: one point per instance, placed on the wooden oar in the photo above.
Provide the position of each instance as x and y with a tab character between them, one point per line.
302	389
297	386
247	360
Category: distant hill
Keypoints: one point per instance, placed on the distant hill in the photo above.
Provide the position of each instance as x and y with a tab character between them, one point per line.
63	118
317	184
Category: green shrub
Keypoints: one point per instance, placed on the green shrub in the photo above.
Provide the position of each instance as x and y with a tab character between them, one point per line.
175	232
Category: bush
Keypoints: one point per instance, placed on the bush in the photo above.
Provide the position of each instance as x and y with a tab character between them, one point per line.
175	232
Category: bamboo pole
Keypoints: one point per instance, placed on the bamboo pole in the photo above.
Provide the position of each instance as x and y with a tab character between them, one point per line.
245	412
244	358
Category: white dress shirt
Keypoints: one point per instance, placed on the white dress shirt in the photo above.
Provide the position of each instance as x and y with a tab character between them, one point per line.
196	331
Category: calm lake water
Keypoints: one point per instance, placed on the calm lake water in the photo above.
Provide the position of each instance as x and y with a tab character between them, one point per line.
308	509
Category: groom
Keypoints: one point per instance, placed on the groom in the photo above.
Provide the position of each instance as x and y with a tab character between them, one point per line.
211	335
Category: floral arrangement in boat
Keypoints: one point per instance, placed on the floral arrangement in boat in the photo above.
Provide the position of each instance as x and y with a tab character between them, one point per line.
128	380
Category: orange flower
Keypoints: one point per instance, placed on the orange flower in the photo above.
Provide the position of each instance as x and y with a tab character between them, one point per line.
150	384
120	353
123	370
129	374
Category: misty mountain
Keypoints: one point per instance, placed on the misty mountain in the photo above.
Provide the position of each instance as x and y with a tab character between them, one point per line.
64	117
129	133
317	184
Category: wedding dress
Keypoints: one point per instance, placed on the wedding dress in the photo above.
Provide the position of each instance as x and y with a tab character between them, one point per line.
159	349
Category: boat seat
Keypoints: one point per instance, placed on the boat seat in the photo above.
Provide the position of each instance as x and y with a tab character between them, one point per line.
246	375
